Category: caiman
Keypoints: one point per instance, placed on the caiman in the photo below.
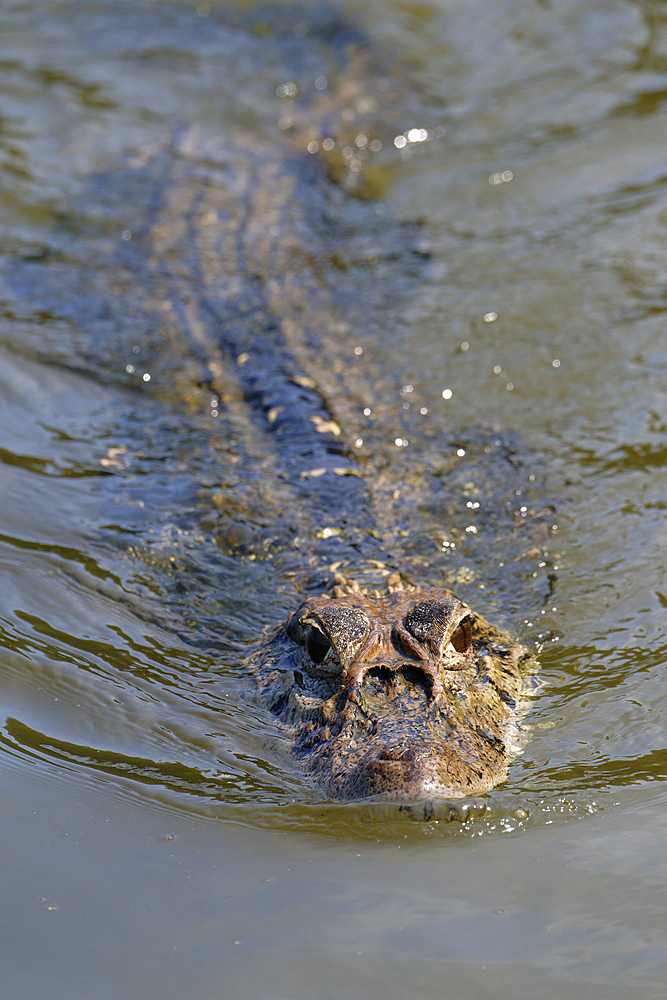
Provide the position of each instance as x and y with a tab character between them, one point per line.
388	690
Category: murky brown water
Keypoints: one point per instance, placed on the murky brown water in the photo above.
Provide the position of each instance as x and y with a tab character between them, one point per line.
158	839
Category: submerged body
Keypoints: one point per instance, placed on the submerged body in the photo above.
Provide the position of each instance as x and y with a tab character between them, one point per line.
242	283
390	707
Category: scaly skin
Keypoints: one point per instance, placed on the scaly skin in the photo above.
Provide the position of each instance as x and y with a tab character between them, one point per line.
402	695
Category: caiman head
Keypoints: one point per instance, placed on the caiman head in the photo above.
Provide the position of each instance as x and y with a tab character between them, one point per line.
407	694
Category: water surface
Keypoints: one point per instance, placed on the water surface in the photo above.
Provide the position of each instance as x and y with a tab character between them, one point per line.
158	837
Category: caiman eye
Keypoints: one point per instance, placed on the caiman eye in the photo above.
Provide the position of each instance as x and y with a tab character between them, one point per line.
461	638
317	645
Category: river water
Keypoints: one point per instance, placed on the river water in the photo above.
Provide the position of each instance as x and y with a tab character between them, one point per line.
158	838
